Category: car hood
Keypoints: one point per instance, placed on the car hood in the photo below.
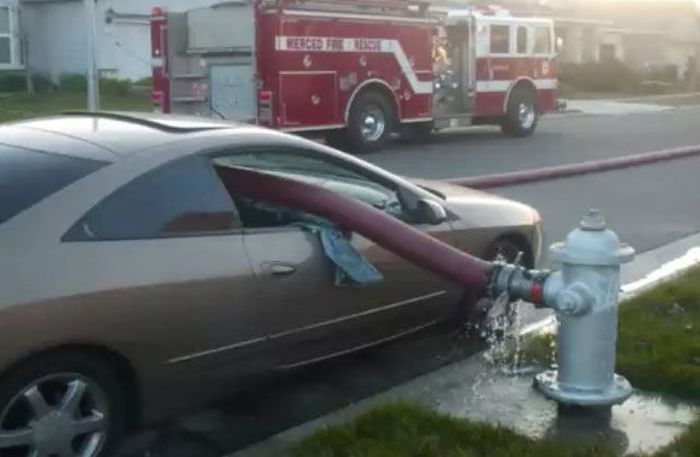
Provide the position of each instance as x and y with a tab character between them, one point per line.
453	192
458	198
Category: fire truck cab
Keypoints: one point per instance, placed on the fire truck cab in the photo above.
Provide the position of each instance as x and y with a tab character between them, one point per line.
355	70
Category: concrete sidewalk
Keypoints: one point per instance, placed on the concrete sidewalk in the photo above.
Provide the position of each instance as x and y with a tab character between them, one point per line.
631	105
612	107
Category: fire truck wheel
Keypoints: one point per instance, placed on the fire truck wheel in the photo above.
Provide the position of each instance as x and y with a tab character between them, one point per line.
370	123
522	115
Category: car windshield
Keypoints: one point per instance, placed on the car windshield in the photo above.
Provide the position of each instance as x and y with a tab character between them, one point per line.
27	177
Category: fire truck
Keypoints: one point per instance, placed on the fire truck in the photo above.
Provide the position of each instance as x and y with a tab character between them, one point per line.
356	71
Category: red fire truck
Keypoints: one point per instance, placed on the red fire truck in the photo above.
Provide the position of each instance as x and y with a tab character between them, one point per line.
356	70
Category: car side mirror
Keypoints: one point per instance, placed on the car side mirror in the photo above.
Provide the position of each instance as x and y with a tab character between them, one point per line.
430	212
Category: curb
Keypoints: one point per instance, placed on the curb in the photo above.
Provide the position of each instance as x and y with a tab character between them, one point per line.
576	169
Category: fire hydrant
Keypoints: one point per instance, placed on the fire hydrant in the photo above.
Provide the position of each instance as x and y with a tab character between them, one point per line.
584	295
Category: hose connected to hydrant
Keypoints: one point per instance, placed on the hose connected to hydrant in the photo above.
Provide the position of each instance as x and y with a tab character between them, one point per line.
583	294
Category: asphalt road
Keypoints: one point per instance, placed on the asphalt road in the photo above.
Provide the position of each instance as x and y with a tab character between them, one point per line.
648	206
559	139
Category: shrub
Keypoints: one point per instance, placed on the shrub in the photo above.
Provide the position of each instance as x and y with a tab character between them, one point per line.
146	82
72	82
115	86
606	76
42	84
78	83
12	82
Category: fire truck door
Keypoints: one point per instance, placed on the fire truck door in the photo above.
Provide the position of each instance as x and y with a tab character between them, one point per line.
452	71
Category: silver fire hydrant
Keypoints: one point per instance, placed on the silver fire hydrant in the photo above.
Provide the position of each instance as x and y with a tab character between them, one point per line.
584	295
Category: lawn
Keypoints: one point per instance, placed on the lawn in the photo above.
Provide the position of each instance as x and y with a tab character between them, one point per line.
658	350
21	106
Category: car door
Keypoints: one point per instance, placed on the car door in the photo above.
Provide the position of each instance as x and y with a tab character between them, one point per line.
308	315
177	288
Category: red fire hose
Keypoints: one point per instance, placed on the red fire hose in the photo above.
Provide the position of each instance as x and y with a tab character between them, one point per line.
390	233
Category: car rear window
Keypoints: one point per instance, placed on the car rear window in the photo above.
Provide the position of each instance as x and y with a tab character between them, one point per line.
27	177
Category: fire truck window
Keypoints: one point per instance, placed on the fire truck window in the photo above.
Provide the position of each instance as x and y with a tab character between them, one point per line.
500	39
543	41
522	40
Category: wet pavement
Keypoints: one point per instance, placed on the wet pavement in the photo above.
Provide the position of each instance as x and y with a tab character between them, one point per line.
644	423
476	390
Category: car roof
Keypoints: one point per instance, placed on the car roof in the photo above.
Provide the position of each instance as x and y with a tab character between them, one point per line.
104	136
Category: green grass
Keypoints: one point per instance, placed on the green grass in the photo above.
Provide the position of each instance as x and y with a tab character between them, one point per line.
18	106
659	338
658	350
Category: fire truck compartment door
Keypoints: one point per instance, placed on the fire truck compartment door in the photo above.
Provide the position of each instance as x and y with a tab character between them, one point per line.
232	92
308	99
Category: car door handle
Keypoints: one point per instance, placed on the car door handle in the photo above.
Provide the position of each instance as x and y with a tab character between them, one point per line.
278	269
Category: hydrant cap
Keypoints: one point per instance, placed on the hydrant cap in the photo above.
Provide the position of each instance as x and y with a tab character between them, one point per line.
592	244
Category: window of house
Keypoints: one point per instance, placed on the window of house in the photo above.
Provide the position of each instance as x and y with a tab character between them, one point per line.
500	39
543	40
182	198
5	36
607	52
303	166
521	40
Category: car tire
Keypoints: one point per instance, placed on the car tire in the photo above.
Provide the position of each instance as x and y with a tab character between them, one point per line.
522	113
370	123
508	248
60	400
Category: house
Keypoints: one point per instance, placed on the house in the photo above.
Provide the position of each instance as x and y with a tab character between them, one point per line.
642	34
10	43
54	35
49	36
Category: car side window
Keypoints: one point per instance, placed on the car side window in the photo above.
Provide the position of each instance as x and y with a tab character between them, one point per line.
181	198
304	166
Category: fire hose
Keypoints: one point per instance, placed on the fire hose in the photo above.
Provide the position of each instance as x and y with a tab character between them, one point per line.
385	230
584	294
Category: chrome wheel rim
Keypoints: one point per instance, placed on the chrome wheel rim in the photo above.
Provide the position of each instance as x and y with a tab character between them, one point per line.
526	115
60	415
373	123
